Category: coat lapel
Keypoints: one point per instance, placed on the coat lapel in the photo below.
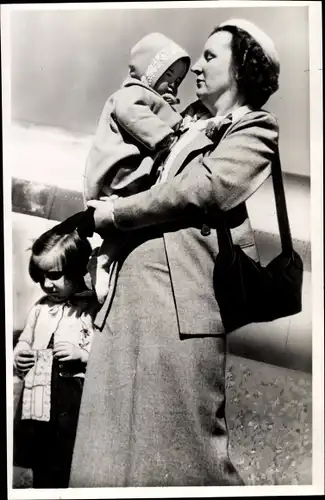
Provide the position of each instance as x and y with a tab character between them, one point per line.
193	148
197	146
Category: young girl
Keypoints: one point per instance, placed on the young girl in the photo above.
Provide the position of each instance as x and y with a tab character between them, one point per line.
51	357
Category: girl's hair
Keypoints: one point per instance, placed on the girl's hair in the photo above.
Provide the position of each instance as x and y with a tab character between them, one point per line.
70	252
256	76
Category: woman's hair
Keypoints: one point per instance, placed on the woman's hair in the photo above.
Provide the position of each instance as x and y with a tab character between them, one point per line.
256	76
68	250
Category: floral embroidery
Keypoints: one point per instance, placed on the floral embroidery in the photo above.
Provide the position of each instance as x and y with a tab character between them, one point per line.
85	334
84	340
158	61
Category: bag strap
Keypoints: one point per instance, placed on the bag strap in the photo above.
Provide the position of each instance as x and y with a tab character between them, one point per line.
281	206
223	230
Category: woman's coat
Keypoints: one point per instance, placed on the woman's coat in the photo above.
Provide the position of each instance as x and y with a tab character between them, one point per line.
206	177
153	406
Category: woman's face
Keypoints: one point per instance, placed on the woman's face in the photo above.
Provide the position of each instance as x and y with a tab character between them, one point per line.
214	68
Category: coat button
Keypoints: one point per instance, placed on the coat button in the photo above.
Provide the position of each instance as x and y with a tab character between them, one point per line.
205	230
61	366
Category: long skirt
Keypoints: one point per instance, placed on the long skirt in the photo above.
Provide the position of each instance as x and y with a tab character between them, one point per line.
153	406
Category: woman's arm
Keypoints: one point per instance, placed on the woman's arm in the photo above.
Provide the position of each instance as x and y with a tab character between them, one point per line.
225	178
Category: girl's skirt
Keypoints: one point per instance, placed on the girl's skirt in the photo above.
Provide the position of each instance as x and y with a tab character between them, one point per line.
47	447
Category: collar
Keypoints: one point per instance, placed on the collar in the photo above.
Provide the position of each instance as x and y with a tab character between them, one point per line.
77	299
85	294
216	124
202	118
234	116
240	112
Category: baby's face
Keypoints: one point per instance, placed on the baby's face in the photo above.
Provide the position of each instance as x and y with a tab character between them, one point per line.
169	81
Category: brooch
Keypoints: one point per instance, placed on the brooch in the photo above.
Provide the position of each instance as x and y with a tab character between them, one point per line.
213	130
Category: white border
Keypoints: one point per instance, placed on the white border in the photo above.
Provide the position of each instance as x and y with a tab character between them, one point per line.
317	232
166	492
316	141
157	5
7	223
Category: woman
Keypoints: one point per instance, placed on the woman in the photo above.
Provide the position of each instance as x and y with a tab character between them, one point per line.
153	409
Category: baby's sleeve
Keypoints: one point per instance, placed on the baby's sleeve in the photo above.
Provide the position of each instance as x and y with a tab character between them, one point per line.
145	116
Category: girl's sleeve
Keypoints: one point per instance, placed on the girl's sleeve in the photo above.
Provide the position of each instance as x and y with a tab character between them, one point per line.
26	337
88	327
145	116
222	180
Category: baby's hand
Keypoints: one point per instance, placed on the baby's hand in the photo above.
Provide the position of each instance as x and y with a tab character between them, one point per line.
25	360
65	351
171	99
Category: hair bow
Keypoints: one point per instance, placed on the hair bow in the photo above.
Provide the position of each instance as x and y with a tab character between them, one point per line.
83	222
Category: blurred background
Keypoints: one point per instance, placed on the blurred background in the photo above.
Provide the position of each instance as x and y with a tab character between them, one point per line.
64	64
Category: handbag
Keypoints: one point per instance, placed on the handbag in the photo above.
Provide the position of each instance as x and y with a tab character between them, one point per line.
246	291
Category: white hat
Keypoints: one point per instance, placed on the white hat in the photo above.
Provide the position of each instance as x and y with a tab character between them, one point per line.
153	55
259	36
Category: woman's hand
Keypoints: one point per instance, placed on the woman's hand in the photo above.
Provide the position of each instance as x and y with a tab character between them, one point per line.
65	351
103	215
25	360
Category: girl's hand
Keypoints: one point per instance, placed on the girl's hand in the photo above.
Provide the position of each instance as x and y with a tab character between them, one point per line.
25	360
65	351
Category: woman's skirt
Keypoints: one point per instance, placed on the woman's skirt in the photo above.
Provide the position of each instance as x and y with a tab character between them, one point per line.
153	406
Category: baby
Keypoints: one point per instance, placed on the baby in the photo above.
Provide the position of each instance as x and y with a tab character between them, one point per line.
136	129
138	120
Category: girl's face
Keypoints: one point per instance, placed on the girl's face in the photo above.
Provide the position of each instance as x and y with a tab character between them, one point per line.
172	78
53	281
56	285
